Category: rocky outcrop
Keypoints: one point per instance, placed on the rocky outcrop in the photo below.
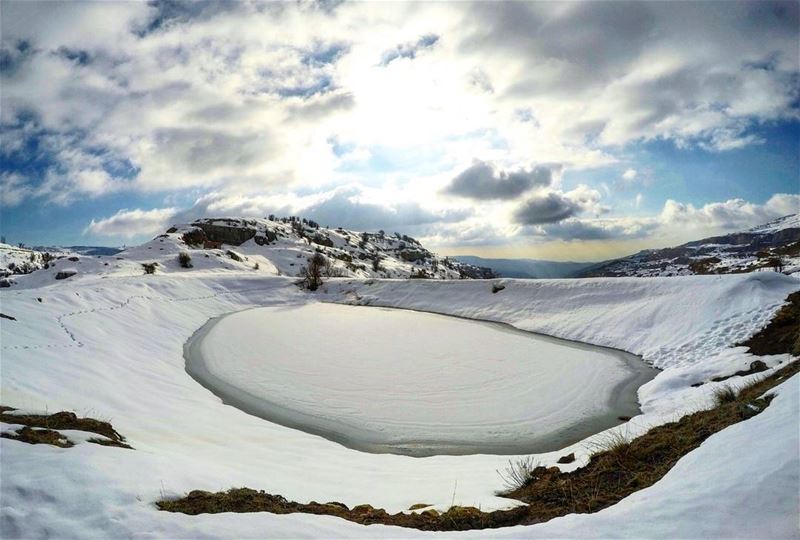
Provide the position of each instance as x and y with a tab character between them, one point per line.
234	233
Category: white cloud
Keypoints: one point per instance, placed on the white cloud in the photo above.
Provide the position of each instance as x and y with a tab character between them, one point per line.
248	95
629	175
731	214
130	223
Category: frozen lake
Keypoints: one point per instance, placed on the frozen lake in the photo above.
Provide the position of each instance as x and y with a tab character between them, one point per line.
413	383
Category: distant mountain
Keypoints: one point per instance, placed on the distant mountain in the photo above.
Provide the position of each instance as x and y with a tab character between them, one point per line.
89	251
528	268
773	245
94	250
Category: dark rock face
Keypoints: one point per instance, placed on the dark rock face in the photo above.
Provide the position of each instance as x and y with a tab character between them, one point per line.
64	274
322	240
234	234
413	255
265	238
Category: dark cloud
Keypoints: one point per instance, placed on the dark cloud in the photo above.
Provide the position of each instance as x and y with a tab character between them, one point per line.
166	13
409	50
483	181
12	56
586	44
78	56
547	207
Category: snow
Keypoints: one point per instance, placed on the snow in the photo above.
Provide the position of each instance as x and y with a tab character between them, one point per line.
792	221
109	342
668	321
414	383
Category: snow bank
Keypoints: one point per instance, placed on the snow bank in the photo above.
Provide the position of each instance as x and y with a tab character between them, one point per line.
111	347
668	321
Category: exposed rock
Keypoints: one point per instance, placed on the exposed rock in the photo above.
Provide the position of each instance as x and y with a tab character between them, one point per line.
414	255
234	232
569	458
66	273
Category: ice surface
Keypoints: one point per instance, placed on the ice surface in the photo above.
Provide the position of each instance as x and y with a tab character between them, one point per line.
415	383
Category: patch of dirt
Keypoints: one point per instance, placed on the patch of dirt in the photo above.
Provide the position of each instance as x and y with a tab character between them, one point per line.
39	436
782	334
617	469
64	420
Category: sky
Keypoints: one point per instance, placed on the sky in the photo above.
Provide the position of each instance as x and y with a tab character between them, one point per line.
551	130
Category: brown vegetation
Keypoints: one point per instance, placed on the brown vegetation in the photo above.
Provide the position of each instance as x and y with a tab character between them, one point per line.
782	334
51	423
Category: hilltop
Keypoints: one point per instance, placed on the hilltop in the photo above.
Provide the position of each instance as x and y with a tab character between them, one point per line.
773	245
274	246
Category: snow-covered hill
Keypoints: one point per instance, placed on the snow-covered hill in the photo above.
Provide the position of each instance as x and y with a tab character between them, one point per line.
773	245
267	246
20	261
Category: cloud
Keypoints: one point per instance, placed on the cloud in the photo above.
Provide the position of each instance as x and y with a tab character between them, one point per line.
130	223
731	214
548	207
13	189
243	99
629	175
484	181
619	71
346	206
409	50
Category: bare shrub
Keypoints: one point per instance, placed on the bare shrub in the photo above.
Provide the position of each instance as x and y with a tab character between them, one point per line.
725	394
518	473
184	259
312	273
149	268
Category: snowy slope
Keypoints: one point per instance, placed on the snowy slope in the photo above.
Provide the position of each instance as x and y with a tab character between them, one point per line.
110	344
792	221
755	249
257	246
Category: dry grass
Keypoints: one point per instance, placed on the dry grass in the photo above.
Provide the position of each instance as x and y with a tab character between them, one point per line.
60	420
39	436
518	473
725	394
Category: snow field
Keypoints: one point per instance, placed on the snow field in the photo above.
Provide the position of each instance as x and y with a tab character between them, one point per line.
112	348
